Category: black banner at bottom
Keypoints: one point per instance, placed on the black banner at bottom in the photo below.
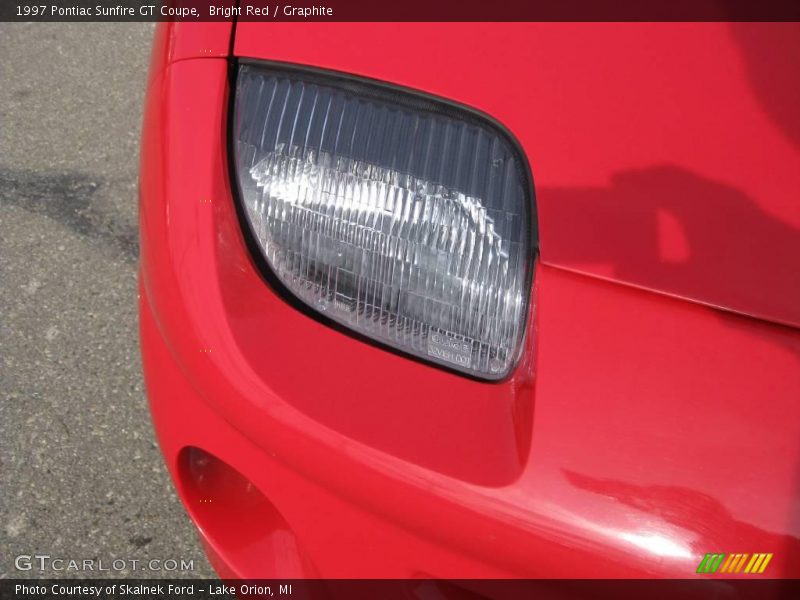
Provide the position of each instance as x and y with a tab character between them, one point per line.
398	589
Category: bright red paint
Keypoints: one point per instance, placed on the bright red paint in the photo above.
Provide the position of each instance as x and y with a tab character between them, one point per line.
638	432
624	125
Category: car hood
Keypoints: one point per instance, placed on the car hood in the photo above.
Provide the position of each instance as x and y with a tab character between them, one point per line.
665	156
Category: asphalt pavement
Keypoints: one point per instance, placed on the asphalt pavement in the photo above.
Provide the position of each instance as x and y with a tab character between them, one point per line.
81	476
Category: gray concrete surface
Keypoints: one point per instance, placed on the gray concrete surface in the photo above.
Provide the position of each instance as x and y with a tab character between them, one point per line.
81	476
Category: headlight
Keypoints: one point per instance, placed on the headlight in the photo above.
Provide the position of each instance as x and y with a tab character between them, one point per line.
405	219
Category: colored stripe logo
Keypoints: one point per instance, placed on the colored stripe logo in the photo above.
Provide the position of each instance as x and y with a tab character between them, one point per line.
734	563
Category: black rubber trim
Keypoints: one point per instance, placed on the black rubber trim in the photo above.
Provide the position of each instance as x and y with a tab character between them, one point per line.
375	90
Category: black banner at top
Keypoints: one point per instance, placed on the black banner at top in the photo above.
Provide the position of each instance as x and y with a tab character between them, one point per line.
400	10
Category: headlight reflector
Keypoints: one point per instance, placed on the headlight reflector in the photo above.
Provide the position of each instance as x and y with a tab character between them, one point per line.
404	219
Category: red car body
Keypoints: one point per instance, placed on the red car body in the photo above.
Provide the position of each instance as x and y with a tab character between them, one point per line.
654	416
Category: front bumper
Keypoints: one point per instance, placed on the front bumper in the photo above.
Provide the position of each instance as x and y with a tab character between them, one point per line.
245	536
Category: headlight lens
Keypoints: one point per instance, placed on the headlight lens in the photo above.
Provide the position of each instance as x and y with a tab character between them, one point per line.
404	219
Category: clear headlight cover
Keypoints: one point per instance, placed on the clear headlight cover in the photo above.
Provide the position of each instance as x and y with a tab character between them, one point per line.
404	219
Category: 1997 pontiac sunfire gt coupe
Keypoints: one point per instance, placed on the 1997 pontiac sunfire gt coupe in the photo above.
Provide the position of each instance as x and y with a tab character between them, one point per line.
476	300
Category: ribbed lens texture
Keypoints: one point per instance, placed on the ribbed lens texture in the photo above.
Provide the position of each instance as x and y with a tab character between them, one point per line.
404	224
